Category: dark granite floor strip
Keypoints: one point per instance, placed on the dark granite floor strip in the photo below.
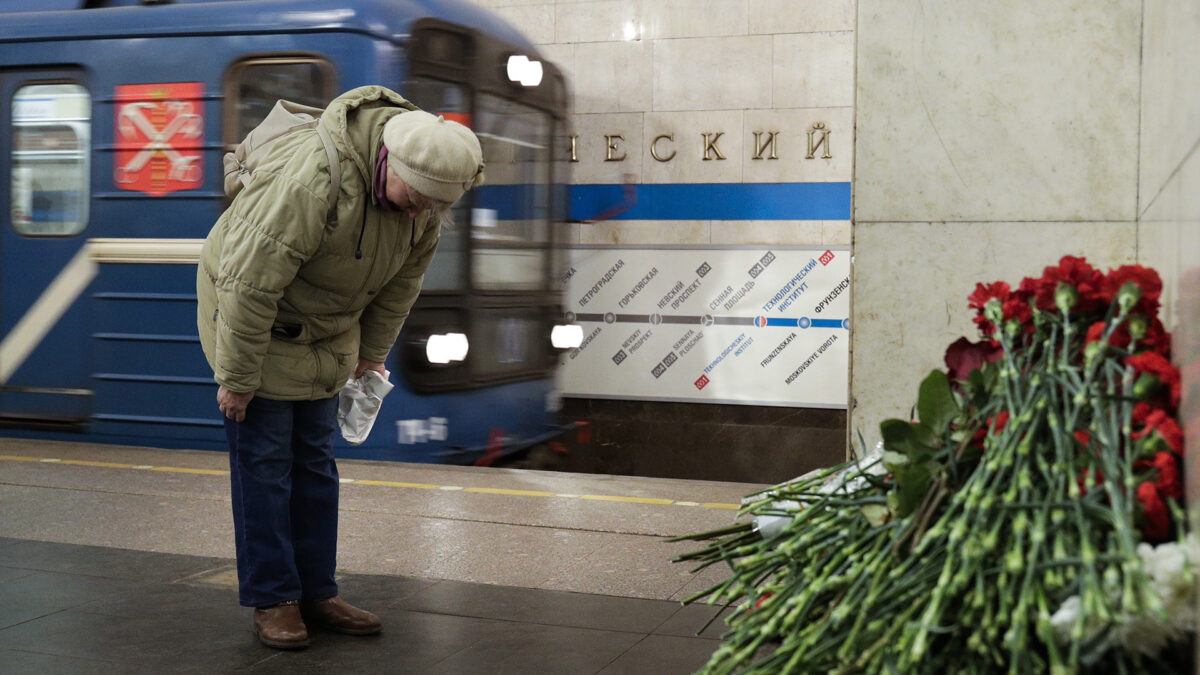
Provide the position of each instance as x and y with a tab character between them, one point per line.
68	608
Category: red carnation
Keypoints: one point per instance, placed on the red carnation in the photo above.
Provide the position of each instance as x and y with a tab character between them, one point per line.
1159	422
1140	412
1016	308
1156	339
1144	278
1119	338
978	301
1073	272
1157	365
998	290
1083	437
1167	482
1158	524
998	422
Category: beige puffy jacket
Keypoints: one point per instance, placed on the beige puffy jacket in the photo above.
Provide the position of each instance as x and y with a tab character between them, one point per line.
286	307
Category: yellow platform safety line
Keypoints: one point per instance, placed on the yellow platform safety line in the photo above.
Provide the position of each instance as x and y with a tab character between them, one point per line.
107	465
383	483
180	469
392	483
630	500
503	491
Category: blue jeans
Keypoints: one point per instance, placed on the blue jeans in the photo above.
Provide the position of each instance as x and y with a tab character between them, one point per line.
285	500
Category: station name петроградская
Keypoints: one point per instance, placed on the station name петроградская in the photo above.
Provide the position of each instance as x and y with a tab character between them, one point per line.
662	151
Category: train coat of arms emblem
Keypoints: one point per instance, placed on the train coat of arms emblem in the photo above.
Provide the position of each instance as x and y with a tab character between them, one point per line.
159	137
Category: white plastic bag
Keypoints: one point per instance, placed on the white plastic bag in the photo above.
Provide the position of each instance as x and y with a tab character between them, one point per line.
359	402
770	525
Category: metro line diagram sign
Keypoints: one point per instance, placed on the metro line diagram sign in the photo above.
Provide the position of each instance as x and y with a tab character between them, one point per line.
159	137
763	326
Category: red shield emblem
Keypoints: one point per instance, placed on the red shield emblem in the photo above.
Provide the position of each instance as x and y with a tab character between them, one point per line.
159	137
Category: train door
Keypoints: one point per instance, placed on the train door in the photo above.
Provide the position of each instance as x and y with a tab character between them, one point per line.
46	116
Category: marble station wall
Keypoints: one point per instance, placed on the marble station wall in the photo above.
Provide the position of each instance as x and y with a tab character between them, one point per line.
1169	167
648	80
992	139
1169	195
639	69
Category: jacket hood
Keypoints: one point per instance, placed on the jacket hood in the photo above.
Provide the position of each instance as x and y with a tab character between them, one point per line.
355	121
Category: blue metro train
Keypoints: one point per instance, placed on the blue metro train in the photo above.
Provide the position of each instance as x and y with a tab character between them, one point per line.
115	117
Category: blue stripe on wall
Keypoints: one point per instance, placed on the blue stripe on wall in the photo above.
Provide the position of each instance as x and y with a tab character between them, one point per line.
714	201
687	201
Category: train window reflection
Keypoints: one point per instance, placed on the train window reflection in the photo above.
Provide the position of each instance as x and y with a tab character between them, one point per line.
512	210
508	342
50	141
254	86
446	272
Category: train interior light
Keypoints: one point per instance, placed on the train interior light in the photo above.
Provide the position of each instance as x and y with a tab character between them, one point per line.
567	336
524	70
444	348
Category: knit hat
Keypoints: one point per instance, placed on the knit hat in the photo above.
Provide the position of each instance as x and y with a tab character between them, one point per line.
434	156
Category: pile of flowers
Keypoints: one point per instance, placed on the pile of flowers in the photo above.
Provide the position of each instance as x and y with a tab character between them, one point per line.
1028	518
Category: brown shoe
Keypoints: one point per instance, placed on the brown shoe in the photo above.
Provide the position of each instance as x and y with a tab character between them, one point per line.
338	615
281	626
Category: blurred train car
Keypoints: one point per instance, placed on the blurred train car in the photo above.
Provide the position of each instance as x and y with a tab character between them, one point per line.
115	116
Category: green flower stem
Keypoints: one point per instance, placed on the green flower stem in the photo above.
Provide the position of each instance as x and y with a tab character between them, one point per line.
995	544
849	645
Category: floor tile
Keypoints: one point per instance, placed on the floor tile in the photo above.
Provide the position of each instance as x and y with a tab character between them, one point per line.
102	561
691	618
627	566
521	649
411	642
700	581
559	608
11	573
182	524
43	594
663	655
167	620
174	603
501	554
572	512
379	591
148	642
13	661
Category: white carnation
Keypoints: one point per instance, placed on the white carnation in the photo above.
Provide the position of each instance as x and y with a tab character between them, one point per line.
1169	570
1171	577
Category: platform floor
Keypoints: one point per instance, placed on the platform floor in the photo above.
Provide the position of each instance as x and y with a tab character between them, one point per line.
117	559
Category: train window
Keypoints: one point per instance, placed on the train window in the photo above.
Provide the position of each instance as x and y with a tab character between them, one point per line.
50	173
446	272
253	87
513	340
512	212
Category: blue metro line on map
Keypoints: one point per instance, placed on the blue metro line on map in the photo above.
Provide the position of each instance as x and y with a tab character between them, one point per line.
803	322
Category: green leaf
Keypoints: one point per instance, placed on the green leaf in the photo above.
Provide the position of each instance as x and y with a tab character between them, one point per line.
911	439
935	402
983	385
913	484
